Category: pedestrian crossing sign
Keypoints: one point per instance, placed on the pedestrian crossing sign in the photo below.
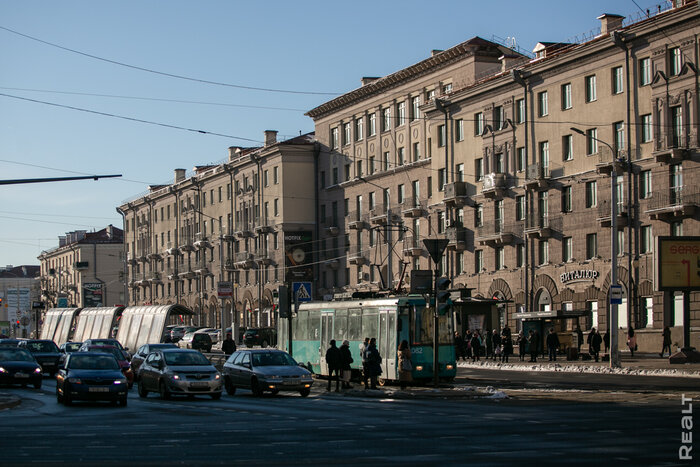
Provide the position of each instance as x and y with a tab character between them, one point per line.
301	291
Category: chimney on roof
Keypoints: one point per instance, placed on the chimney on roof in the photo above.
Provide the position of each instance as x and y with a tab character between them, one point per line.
233	152
110	231
434	52
270	137
179	175
368	79
509	60
61	240
609	23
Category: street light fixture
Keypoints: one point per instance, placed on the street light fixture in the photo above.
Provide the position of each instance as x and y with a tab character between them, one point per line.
614	354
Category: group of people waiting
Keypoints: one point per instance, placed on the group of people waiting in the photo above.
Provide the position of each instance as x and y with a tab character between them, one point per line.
493	344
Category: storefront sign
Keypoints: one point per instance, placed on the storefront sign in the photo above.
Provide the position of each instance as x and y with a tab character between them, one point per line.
578	275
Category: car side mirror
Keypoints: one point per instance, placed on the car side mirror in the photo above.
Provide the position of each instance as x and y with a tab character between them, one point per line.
247	365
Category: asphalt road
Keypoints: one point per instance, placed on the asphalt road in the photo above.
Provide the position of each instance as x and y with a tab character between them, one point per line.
332	429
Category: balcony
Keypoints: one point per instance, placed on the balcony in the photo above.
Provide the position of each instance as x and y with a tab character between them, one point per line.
413	207
142	257
332	225
497	233
229	234
494	185
186	244
355	256
357	220
378	215
456	194
230	264
171	249
244	230
131	260
154	277
332	263
186	272
201	241
672	146
412	246
609	161
171	273
675	204
153	256
605	214
262	257
133	283
264	225
541	226
244	260
537	176
457	237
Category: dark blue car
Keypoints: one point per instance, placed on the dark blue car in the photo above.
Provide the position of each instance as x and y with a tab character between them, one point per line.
18	366
91	376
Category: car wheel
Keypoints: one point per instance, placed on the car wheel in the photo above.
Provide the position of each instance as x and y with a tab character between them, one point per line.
163	389
216	396
59	397
256	388
382	382
305	392
37	385
123	402
142	390
275	391
66	397
230	388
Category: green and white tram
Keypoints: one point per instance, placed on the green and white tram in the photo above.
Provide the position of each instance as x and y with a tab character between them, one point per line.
390	320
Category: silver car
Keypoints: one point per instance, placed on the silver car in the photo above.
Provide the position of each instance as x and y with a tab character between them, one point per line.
172	372
262	370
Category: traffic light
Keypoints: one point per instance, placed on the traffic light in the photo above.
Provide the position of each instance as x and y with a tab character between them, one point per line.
443	295
283	300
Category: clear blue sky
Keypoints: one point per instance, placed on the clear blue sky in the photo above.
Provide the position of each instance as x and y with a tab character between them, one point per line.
310	46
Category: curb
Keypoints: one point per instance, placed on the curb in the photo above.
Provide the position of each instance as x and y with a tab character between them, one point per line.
418	394
8	401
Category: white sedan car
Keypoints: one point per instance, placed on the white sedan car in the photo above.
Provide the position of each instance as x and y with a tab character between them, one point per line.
213	333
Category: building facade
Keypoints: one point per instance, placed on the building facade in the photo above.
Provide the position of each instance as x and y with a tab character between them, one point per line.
84	270
19	293
516	160
247	221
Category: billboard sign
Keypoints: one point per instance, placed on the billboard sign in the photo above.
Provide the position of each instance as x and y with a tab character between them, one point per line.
298	252
92	295
677	263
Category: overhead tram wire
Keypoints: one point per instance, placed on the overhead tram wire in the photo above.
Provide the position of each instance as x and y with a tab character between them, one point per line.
170	75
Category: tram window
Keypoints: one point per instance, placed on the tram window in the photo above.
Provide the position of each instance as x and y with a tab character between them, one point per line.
369	325
313	325
301	324
355	325
341	325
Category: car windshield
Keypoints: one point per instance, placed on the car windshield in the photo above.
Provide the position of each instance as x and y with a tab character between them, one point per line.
185	358
15	355
111	342
113	350
73	346
272	359
92	362
42	347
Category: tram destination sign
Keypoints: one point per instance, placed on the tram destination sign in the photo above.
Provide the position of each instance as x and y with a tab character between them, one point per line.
677	263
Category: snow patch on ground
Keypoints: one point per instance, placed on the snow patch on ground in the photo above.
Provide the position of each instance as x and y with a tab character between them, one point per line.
570	368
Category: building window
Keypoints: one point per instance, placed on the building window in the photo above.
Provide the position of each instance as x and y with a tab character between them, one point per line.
441	179
359	130
591	246
645	184
591	92
592	141
346	134
386	119
323	179
567	147
348	170
519	207
617	83
276	207
478	261
676	126
566	96
677	229
441	136
440	222
644	71
372	123
386	160
591	194
479	215
566	200
400	113
498	163
499	117
335	176
542	104
370	168
400	156
478	123
479	169
519	255
459	263
459	174
543	252
647	134
620	242
520	159
544	155
567	249
430	95
415	108
520	111
275	175
358	169
401	194
416	152
459	130
675	61
334	138
500	258
646	240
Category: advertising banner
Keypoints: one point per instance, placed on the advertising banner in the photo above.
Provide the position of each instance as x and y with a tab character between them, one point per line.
298	249
92	295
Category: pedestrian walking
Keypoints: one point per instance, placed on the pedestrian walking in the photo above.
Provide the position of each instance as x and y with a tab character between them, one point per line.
228	346
405	365
496	340
666	344
345	361
533	343
374	362
552	344
631	340
506	332
468	344
522	345
595	341
459	346
507	344
579	335
363	356
475	345
489	344
333	363
606	341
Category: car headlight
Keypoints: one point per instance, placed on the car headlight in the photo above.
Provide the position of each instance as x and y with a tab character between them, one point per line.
37	370
75	381
120	381
2	370
217	376
176	377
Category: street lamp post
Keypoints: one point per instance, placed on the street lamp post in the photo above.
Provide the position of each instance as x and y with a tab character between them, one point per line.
613	324
387	236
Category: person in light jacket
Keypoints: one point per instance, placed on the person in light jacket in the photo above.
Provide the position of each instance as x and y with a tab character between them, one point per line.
405	365
345	361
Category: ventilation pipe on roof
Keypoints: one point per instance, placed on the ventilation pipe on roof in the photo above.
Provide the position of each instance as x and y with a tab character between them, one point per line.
609	23
179	175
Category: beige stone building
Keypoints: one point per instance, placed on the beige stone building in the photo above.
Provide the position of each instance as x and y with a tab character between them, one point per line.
84	270
510	157
19	292
234	221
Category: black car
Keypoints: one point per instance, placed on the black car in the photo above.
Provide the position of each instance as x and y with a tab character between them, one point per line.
45	352
18	366
91	376
9	342
112	342
66	349
140	356
261	336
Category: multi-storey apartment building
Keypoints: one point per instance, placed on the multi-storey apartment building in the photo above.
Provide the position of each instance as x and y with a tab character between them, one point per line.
84	270
233	221
19	293
511	158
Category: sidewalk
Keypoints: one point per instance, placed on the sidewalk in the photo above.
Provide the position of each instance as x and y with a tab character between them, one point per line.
641	364
422	392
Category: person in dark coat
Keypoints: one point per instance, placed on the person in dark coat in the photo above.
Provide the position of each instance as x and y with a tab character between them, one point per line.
596	340
666	344
374	362
552	344
345	361
631	340
522	345
475	344
507	343
579	335
459	346
534	341
606	341
496	340
489	344
506	332
333	361
363	355
468	344
228	346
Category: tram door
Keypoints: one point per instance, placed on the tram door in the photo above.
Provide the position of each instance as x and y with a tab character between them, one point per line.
325	339
387	343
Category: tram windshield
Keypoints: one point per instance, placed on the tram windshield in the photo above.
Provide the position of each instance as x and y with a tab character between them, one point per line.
422	320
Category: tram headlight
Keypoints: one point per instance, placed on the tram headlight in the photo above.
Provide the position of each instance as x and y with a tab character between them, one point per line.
419	368
450	367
